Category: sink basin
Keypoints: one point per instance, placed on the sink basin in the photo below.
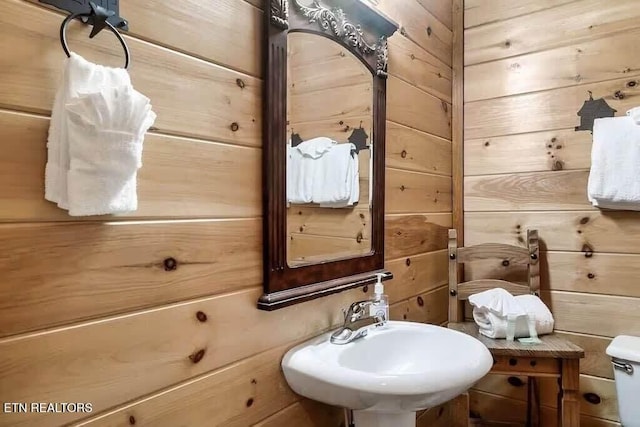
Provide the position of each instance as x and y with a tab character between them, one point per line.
388	375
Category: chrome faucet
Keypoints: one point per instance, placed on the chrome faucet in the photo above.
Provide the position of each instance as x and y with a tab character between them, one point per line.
356	323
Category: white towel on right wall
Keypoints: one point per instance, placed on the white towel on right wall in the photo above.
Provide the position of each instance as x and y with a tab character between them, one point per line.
614	180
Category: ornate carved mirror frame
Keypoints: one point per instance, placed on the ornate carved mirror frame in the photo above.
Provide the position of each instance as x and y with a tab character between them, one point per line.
362	30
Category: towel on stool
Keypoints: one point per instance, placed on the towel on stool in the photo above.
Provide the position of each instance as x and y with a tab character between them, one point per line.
615	164
492	308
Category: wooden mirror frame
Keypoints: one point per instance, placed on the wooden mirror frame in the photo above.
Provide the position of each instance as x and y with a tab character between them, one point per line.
355	28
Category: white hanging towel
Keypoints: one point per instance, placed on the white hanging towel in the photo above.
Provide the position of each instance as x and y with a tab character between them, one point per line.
85	115
105	132
302	161
492	308
337	176
634	113
614	179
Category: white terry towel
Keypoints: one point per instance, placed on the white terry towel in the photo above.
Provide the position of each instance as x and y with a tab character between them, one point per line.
79	76
95	140
105	131
634	113
614	181
491	309
337	176
302	161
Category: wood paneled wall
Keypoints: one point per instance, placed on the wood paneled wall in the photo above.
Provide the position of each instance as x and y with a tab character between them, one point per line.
528	68
89	309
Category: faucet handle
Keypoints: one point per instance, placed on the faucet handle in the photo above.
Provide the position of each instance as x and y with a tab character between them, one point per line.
356	310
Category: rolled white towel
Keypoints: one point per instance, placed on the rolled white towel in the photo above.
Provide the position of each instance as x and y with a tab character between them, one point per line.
634	113
492	308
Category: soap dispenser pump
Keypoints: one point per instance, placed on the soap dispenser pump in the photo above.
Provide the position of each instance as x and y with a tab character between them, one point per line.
380	301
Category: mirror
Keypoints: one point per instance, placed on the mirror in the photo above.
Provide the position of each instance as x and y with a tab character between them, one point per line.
324	131
329	151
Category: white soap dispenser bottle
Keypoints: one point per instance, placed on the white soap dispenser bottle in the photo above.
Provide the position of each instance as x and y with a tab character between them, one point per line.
380	301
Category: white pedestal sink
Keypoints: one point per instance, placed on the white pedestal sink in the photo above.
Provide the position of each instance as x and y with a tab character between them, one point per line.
391	373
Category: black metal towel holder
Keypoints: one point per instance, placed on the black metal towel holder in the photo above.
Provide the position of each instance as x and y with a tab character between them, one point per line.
99	17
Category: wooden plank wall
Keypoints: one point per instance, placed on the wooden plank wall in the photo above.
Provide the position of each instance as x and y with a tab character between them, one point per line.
89	309
529	65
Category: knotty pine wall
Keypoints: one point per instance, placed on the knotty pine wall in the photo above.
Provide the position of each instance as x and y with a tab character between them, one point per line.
529	65
88	310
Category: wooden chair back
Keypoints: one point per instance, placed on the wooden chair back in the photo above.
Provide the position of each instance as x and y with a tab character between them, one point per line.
509	254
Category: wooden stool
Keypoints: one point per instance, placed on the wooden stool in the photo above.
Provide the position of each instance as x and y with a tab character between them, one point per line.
554	357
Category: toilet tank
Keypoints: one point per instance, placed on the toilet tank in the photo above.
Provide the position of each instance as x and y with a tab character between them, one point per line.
625	356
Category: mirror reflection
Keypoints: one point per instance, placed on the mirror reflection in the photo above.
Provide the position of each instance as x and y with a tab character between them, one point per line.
329	151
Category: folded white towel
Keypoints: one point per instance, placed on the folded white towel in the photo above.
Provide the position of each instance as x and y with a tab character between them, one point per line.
634	113
492	308
105	133
615	164
79	76
337	175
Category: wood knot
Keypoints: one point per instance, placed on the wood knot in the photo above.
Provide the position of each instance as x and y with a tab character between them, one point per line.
507	43
588	250
170	264
197	356
201	316
403	31
403	154
554	139
249	402
515	381
632	83
618	95
486	144
359	238
420	301
429	31
240	83
591	276
445	107
365	288
505	263
592	398
584	220
412	56
402	188
132	420
408	262
557	165
234	126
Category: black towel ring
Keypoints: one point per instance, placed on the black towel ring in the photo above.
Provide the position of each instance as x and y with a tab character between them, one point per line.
97	27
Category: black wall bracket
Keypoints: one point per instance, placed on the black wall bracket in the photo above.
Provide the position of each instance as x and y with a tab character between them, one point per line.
83	6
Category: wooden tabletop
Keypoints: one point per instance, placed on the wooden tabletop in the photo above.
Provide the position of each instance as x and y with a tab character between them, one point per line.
552	346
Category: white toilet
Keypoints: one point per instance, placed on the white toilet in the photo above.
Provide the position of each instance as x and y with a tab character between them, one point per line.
625	357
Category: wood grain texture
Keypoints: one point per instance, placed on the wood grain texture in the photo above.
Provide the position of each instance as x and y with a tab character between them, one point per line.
441	9
429	307
539	111
237	395
409	62
306	413
408	192
181	27
407	235
552	346
126	348
457	120
175	180
30	71
416	274
87	270
420	26
413	150
586	62
478	12
580	231
564	149
558	190
410	107
568	23
622	313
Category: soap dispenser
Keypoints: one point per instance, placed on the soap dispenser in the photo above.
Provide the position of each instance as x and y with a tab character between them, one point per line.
380	301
